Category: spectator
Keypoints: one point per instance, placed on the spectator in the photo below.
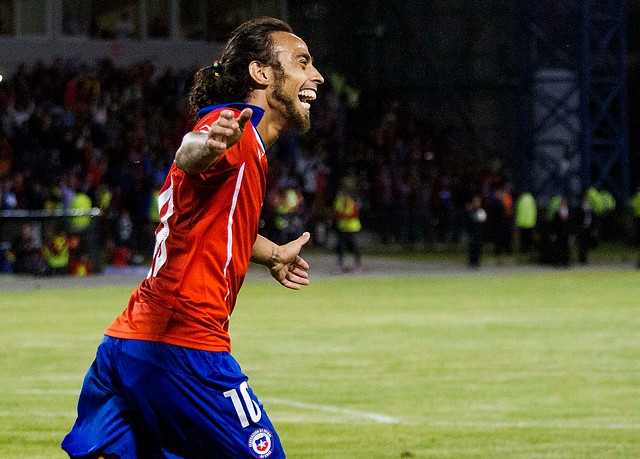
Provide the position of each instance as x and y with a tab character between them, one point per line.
585	237
125	230
288	212
81	202
559	232
56	253
526	217
81	266
347	220
8	199
26	251
501	213
476	218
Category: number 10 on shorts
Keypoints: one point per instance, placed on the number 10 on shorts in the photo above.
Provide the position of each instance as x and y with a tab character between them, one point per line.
244	405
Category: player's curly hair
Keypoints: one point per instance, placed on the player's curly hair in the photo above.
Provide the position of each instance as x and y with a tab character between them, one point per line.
229	81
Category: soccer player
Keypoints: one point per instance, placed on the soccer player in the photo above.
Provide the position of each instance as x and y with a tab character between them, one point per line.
164	384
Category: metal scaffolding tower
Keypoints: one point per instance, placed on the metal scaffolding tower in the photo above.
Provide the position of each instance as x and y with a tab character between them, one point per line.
573	110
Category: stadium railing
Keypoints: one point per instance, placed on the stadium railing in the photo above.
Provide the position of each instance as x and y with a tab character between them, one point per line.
46	223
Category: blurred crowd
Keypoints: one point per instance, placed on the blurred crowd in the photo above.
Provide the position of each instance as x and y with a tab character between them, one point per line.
75	135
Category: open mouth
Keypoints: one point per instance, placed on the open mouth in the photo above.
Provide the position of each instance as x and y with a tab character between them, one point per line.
306	96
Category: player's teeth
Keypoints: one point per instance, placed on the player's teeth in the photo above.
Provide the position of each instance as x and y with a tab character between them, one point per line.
306	105
308	94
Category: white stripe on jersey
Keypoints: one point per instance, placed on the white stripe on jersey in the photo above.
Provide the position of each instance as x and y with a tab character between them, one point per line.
262	150
230	222
160	250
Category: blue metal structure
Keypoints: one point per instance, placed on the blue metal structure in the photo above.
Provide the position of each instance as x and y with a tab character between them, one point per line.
604	97
573	110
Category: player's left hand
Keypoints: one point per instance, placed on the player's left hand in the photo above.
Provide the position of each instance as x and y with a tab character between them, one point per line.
289	267
227	130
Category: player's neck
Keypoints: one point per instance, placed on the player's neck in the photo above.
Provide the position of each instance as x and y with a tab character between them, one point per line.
271	125
269	128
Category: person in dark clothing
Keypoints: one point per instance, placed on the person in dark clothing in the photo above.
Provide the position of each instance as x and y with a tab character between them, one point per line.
476	217
28	259
560	232
584	230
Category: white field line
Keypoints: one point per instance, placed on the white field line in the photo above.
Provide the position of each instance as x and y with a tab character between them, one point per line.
379	418
384	419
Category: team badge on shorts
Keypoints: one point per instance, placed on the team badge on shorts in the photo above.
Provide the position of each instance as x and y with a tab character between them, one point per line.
261	443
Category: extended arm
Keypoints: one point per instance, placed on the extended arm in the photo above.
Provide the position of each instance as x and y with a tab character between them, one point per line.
284	262
199	150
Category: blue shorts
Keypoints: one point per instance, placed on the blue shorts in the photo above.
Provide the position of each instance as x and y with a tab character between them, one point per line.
143	399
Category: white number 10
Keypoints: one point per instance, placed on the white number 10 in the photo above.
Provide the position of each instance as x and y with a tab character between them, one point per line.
248	407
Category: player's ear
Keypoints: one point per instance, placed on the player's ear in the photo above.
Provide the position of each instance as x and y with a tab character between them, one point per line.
260	73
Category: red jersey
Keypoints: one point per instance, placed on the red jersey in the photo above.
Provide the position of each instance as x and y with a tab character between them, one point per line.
208	225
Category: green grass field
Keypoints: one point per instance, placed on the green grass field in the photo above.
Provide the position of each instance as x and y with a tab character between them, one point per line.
539	365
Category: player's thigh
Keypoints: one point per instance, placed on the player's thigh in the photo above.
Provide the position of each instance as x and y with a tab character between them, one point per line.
106	419
198	404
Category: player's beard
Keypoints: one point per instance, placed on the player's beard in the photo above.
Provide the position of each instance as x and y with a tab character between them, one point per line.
298	120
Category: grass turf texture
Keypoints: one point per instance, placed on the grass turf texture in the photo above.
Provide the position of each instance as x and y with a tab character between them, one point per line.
543	365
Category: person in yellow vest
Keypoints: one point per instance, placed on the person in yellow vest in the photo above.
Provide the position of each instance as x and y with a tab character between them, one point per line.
79	226
56	253
81	202
635	207
526	219
82	266
346	213
289	205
